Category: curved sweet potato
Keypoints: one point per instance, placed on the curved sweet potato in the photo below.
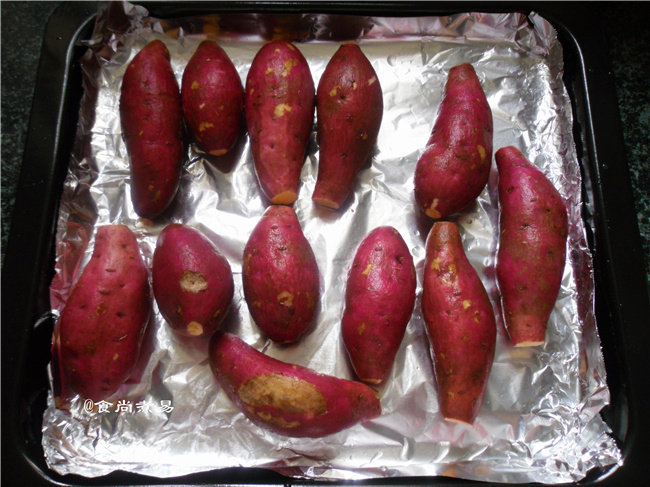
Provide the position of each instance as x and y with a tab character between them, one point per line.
533	229
454	168
279	115
288	399
379	300
349	111
213	99
104	319
150	114
280	276
460	324
192	281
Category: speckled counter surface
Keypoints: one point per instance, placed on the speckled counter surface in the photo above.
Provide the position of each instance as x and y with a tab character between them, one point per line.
23	29
628	36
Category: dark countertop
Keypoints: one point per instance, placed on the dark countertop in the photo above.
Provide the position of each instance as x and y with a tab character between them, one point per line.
23	25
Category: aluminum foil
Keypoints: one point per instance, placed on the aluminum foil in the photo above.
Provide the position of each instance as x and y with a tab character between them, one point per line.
540	419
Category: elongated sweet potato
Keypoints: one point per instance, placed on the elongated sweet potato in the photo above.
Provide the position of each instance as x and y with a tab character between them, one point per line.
349	111
533	229
213	99
150	114
280	276
379	300
454	168
104	319
192	281
286	398
279	115
460	324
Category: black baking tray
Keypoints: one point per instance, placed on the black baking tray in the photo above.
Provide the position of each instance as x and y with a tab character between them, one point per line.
622	304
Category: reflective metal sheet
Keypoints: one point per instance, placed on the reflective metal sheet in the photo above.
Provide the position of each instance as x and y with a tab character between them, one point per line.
540	419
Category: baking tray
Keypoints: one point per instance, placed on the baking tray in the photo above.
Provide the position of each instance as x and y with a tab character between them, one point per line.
621	304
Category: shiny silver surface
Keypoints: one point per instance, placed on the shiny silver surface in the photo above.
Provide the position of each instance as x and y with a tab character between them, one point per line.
540	419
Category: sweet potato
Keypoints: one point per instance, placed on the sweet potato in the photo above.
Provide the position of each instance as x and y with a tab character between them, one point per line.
150	114
379	300
349	107
192	281
104	319
213	99
454	168
460	324
279	115
533	230
286	398
280	276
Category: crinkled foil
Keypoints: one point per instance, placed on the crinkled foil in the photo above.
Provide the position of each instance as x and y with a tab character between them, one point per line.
540	419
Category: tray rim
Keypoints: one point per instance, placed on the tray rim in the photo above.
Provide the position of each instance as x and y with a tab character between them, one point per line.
625	290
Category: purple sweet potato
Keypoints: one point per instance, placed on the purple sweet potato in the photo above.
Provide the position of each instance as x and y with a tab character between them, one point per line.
454	168
533	230
279	115
286	398
213	99
379	300
192	281
460	324
349	111
280	276
151	118
104	319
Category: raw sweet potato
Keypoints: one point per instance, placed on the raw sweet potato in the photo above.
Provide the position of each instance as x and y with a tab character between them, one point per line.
532	247
379	300
150	114
454	168
286	398
192	281
349	111
104	319
460	324
279	115
280	276
213	99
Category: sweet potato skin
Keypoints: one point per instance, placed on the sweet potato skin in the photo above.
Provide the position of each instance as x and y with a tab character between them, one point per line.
349	107
213	99
279	116
288	399
280	276
104	319
455	166
533	229
460	324
192	281
151	118
379	300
